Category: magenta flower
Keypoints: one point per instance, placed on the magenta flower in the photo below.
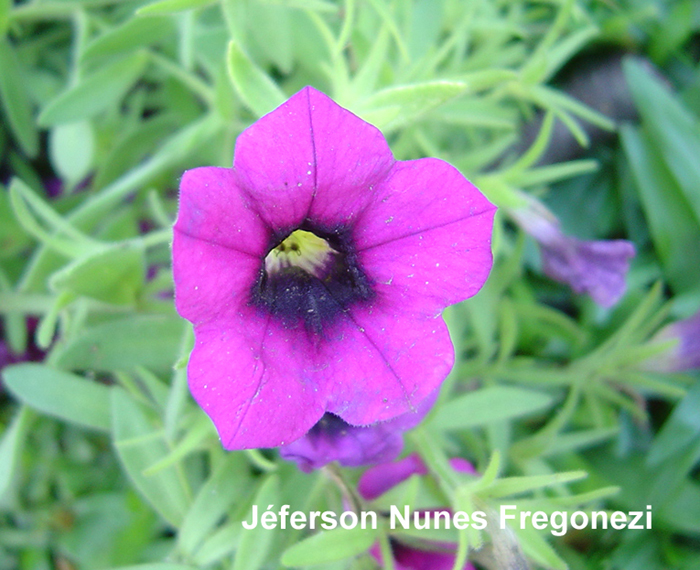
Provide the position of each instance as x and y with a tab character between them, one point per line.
684	355
315	272
598	268
332	439
428	555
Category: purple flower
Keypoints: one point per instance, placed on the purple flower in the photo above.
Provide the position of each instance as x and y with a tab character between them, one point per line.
684	355
315	272
428	555
597	268
332	439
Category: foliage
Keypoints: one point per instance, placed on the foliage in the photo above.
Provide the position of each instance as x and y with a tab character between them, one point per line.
106	462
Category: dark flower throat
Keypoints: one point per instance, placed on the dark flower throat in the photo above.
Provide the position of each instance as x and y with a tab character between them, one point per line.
310	277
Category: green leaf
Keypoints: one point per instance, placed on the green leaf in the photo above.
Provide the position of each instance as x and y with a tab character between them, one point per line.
519	485
397	106
489	405
673	227
138	445
114	275
5	9
15	100
157	566
536	547
256	542
135	33
329	546
673	126
259	93
172	6
119	345
681	429
95	93
10	446
212	502
71	148
60	394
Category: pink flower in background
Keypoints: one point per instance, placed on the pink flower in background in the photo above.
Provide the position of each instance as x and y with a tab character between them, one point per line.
315	272
332	439
597	268
426	555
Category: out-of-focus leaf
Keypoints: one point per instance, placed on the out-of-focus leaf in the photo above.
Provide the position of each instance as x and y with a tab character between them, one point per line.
71	148
171	6
672	126
135	33
10	445
5	7
113	275
138	445
329	546
489	405
212	502
121	345
157	566
15	100
681	429
255	543
60	394
96	92
674	230
518	485
396	106
253	85
535	546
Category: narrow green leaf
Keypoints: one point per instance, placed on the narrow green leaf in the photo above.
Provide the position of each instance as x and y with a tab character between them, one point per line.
679	431
135	33
673	126
255	543
260	94
329	546
119	345
489	405
397	106
5	8
15	100
138	445
172	6
212	502
95	93
673	227
60	394
10	446
536	547
116	274
157	566
518	485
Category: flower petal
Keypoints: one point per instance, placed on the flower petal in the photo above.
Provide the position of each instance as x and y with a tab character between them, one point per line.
378	480
395	362
598	267
254	382
332	439
310	158
427	239
213	208
212	281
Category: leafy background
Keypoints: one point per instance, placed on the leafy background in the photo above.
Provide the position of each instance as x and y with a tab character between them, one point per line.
105	462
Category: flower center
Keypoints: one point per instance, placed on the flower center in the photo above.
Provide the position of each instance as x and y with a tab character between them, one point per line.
304	250
310	278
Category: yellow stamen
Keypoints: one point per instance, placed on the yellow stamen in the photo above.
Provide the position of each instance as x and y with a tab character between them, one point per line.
301	249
